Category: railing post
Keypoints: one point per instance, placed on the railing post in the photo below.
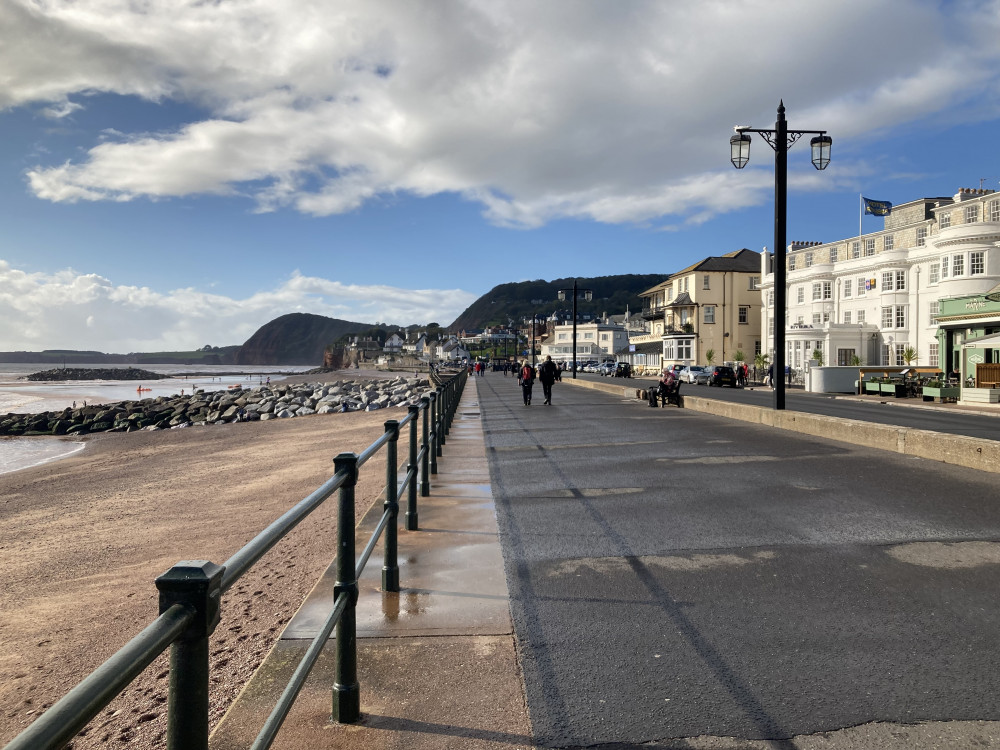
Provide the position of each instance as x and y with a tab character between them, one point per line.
425	479
442	415
434	449
346	691
411	468
197	585
390	565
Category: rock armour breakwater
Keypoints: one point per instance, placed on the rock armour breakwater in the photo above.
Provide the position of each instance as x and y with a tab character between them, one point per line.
219	407
94	373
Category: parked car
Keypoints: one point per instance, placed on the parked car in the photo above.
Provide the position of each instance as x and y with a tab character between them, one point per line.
722	375
622	370
607	368
693	374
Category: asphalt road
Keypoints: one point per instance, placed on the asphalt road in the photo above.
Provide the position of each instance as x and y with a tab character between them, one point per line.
869	409
675	575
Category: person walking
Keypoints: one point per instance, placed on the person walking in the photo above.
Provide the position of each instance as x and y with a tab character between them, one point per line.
526	377
548	373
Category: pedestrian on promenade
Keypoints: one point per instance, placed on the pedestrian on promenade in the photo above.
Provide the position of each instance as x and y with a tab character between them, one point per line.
548	373
526	377
770	375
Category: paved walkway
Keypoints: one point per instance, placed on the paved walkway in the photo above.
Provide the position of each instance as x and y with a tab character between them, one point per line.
436	662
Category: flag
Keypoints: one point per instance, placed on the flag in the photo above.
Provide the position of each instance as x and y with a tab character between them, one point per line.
877	208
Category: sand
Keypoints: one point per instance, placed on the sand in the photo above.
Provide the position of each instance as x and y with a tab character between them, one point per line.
83	538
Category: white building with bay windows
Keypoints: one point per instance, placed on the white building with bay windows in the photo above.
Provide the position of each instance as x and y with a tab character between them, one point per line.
872	298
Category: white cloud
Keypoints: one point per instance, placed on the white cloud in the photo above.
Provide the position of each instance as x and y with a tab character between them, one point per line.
70	310
615	112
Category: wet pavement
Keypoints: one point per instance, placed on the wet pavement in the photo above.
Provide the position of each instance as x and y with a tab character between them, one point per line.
436	661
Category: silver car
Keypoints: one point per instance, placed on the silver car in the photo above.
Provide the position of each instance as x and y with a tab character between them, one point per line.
694	374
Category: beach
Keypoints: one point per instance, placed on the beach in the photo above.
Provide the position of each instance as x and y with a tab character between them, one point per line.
84	537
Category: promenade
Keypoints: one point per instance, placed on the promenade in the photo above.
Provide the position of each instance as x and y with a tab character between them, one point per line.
436	661
677	580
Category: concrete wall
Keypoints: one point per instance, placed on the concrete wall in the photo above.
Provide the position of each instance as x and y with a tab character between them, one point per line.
973	453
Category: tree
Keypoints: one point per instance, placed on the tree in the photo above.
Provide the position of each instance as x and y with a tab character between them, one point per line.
710	356
855	360
739	356
817	356
909	355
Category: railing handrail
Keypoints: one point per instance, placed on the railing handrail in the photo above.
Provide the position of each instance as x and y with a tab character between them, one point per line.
191	592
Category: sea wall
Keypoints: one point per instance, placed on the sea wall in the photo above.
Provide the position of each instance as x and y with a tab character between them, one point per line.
219	407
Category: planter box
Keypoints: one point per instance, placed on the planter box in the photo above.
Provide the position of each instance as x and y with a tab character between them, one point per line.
945	393
896	390
871	387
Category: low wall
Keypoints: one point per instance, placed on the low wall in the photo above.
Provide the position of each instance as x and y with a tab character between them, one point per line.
973	453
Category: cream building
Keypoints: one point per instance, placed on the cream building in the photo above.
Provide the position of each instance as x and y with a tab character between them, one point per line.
594	341
873	297
712	305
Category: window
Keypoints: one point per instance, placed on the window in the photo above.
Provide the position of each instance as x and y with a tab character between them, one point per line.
944	267
754	283
705	281
994	207
791	262
847	287
932	355
833	255
900	316
887	281
847	317
887	317
933	310
800	320
977	263
957	265
921	236
861	286
668	350
816	319
944	220
971	214
826	317
744	315
686	279
563	336
801	295
827	290
869	246
809	259
855	250
885	355
888	242
900	281
605	337
770	299
817	292
861	316
684	349
709	316
588	335
935	273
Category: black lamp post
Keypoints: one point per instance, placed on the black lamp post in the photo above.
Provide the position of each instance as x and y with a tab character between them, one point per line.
588	295
780	139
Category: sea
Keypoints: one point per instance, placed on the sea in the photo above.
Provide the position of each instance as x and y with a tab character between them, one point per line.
20	396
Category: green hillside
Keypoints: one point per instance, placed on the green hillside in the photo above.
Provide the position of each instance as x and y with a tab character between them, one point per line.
519	300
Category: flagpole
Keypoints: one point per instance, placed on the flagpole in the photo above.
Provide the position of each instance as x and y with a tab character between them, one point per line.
861	213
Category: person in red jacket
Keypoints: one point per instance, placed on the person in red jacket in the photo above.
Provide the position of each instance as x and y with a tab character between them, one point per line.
526	377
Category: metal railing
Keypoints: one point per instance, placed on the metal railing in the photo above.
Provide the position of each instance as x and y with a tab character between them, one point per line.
190	597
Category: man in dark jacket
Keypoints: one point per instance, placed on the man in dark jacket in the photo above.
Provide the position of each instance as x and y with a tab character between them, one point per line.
548	373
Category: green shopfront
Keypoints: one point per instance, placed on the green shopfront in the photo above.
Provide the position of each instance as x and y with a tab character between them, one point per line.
962	322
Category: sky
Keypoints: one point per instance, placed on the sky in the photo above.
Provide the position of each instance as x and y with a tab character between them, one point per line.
175	174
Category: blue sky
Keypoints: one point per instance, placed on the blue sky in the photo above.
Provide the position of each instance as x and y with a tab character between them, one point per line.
175	174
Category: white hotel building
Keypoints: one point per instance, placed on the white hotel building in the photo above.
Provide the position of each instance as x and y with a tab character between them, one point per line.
875	295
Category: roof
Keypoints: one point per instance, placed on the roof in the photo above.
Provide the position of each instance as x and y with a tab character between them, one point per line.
681	300
646	347
738	261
